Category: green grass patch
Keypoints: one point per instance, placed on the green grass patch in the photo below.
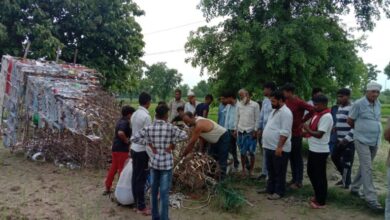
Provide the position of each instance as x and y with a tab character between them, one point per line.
229	194
340	198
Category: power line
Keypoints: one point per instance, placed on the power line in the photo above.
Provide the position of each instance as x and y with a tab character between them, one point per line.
164	52
173	28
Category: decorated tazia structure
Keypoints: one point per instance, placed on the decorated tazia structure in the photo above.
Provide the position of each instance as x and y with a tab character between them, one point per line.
57	112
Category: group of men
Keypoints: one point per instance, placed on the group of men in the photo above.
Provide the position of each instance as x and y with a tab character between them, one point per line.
284	120
279	126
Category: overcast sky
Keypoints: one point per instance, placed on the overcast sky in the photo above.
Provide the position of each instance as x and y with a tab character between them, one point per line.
167	23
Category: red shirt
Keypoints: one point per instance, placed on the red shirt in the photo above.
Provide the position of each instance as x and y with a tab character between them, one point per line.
298	107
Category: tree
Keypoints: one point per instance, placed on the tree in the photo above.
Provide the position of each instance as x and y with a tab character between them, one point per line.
161	81
201	89
185	88
283	41
371	74
387	70
104	32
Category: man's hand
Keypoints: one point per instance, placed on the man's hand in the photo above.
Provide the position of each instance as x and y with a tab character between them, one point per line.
260	133
344	142
306	127
153	149
254	134
235	134
170	148
279	152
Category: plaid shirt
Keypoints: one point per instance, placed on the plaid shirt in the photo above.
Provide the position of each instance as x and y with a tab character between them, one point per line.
160	134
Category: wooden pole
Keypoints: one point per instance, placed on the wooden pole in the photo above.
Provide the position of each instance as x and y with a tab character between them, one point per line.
75	56
26	50
58	54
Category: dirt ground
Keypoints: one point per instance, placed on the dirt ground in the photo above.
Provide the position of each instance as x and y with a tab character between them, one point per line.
33	190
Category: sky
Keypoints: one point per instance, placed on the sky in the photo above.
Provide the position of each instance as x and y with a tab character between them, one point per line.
167	23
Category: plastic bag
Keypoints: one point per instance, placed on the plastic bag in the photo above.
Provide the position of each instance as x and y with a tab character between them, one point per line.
123	191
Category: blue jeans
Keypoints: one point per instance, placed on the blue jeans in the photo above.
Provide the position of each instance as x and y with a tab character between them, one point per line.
161	182
387	212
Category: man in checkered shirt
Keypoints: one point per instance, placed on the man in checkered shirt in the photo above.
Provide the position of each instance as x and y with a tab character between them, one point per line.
161	137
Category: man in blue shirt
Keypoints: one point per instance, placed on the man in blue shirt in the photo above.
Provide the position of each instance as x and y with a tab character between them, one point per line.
203	108
221	110
230	120
266	109
365	118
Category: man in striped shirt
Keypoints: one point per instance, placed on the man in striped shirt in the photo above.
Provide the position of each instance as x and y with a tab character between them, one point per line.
344	151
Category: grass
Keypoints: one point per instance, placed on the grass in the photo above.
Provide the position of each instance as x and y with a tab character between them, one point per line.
338	197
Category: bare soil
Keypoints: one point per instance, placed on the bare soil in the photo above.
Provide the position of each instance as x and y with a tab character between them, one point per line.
33	190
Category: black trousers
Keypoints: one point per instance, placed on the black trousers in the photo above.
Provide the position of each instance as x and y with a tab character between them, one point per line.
342	157
277	169
296	160
233	148
316	170
140	173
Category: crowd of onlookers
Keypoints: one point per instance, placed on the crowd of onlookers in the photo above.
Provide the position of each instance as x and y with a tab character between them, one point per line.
279	124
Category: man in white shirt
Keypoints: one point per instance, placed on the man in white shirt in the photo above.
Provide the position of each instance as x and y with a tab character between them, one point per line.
277	145
139	120
190	106
266	109
247	122
174	104
318	133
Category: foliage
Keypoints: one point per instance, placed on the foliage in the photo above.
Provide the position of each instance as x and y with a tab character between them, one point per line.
370	75
283	41
104	32
160	81
201	89
385	97
387	70
185	88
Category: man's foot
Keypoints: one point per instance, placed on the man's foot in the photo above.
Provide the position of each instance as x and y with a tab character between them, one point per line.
313	199
274	196
261	177
107	193
262	191
357	194
295	186
315	205
144	212
375	206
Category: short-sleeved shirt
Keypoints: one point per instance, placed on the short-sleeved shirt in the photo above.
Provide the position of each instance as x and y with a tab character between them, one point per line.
367	117
321	145
201	108
139	120
160	134
123	125
173	105
188	107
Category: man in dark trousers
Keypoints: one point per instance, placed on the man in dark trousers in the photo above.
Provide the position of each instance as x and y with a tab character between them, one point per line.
344	150
140	120
298	108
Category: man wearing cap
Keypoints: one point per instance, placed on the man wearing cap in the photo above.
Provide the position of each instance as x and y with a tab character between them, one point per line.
365	117
190	106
